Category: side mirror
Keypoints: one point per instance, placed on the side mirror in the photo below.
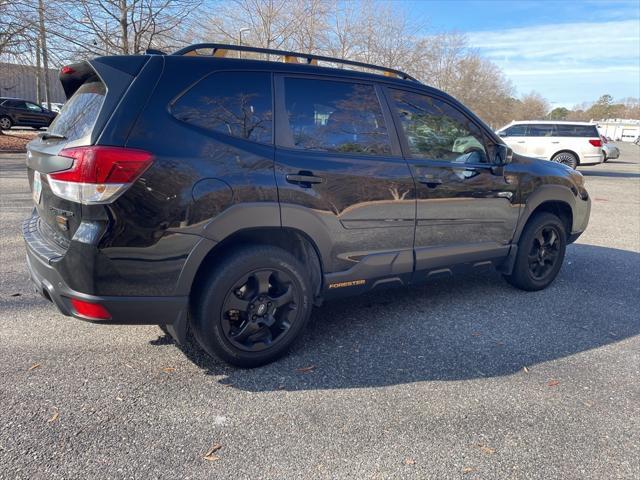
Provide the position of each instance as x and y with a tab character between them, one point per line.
504	155
503	133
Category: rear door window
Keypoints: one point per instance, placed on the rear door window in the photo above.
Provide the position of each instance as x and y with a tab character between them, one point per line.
237	104
79	114
542	130
335	116
565	130
15	104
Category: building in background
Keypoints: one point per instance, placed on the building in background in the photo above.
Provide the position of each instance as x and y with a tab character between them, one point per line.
620	129
20	81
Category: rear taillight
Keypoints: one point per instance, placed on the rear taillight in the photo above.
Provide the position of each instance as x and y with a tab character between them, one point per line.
596	142
98	174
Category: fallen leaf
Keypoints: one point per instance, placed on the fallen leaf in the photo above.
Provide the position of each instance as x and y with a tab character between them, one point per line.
553	383
169	369
475	334
409	461
466	470
525	369
210	455
487	450
308	369
34	366
54	417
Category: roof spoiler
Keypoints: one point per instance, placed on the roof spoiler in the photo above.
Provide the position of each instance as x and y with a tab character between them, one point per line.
112	71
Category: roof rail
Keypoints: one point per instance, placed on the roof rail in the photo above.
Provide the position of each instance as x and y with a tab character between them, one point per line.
220	49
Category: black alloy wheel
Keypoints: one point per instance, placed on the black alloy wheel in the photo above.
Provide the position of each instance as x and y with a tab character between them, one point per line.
252	305
258	310
540	253
544	252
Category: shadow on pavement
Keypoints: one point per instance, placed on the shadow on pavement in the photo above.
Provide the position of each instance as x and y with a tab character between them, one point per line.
603	173
462	328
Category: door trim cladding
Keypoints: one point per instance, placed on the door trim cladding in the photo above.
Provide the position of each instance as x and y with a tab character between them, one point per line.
395	267
546	193
430	258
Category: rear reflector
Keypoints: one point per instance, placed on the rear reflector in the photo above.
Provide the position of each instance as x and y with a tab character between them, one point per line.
98	174
91	311
67	70
596	142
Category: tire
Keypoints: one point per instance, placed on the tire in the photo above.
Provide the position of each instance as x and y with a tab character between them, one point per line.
535	268
253	306
568	158
5	123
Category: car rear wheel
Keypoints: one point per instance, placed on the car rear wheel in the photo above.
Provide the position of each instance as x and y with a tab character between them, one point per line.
5	123
569	159
253	306
540	254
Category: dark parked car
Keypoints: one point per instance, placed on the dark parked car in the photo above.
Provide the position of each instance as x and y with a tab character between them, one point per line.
16	112
234	194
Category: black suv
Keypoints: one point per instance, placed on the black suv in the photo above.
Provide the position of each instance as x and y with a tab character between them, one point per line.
231	195
16	112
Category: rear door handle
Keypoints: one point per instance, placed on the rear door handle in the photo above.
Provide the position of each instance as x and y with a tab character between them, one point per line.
304	179
521	141
431	182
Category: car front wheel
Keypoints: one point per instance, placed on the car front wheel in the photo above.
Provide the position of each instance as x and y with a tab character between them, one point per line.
540	254
253	306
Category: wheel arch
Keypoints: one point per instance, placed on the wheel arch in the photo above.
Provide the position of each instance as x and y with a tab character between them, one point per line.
556	199
207	253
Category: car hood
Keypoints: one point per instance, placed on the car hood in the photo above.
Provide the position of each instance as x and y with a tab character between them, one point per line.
546	169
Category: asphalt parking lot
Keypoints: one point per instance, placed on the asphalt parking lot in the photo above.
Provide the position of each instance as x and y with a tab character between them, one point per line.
463	378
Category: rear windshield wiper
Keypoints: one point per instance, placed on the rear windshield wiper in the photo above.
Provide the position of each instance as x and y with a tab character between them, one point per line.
48	135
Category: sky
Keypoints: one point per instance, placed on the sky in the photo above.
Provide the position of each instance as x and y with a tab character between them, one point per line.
570	51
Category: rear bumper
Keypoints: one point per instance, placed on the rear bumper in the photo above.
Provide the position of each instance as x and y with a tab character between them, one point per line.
593	159
123	310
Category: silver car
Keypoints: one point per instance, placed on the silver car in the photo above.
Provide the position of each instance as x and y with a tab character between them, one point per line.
610	150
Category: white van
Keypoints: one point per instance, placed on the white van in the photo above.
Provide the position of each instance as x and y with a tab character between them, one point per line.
571	143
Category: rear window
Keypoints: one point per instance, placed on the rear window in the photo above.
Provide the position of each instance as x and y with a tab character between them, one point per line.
577	131
79	114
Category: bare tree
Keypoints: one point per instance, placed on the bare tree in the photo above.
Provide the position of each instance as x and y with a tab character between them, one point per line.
532	106
122	27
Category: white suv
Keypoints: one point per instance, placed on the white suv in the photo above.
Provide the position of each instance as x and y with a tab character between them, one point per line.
571	143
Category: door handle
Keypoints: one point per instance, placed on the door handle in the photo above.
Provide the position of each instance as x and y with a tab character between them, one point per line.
304	179
555	142
521	141
431	182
